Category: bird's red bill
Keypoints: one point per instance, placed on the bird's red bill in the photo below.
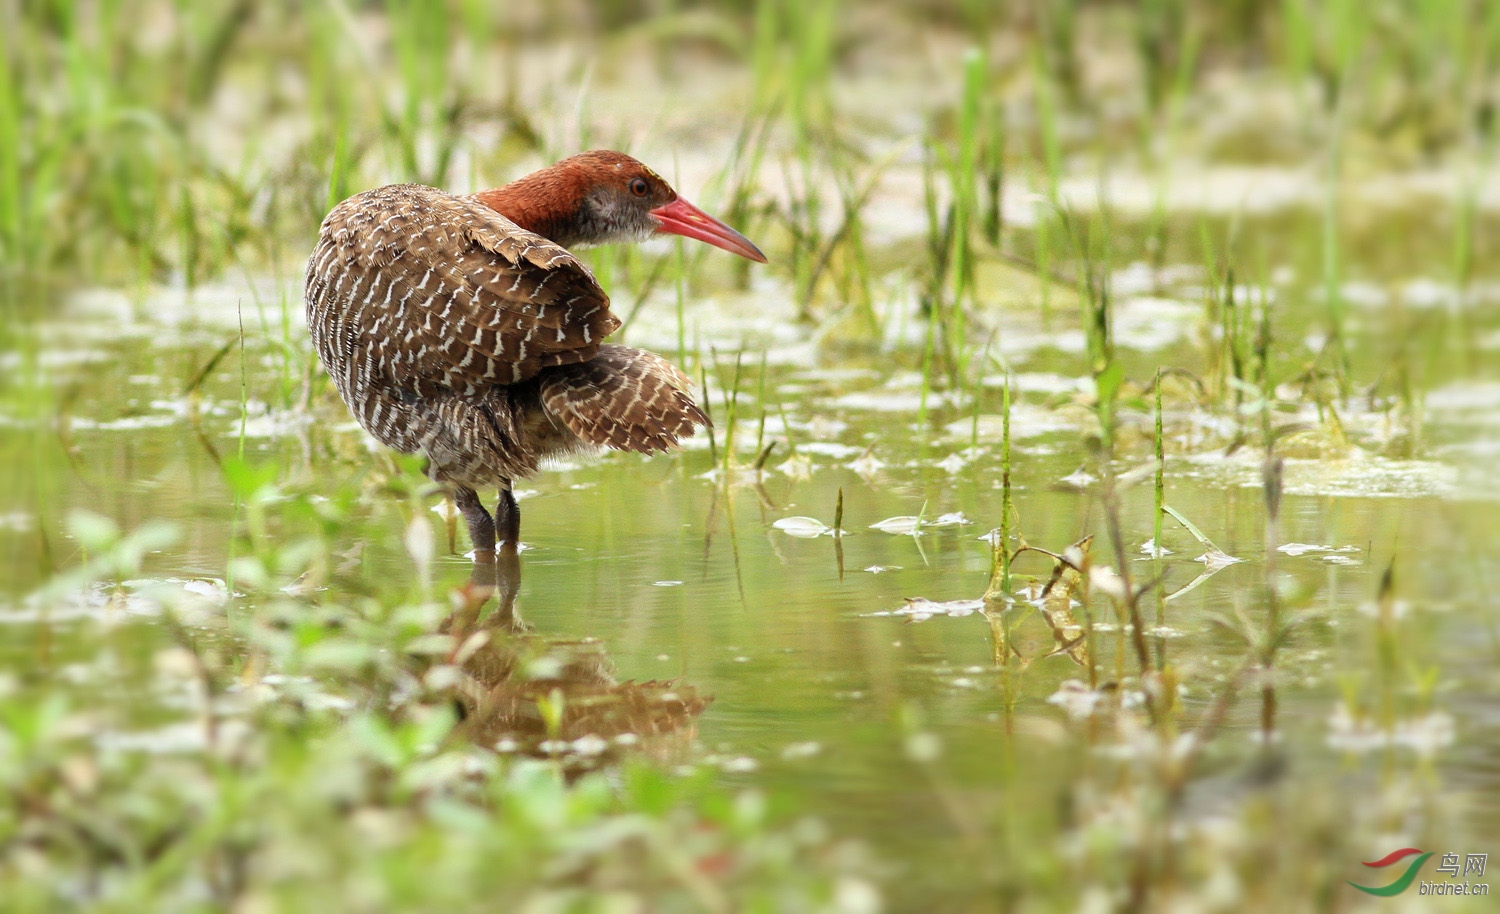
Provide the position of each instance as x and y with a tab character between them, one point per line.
683	218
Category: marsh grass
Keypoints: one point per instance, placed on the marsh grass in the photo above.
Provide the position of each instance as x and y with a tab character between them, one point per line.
818	255
731	400
1167	43
962	183
999	589
161	202
742	174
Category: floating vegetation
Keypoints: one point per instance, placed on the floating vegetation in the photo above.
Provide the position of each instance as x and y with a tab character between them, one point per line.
914	525
920	609
803	527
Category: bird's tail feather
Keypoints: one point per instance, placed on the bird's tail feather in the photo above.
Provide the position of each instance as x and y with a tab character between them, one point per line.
623	398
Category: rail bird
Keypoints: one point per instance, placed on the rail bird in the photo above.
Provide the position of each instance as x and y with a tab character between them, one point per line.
460	327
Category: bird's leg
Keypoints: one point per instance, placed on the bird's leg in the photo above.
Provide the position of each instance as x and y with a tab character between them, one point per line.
481	525
508	517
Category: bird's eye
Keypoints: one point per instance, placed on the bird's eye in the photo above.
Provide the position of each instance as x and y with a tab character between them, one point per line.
639	187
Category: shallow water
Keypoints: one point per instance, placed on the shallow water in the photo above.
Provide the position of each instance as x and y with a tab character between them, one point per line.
857	673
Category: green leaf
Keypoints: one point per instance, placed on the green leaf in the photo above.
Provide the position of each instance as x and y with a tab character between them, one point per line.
247	480
94	532
1107	382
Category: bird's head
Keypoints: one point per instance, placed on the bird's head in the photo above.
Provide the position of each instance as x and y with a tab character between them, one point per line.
604	197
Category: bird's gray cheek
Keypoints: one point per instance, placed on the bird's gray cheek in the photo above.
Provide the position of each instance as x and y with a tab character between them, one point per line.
603	215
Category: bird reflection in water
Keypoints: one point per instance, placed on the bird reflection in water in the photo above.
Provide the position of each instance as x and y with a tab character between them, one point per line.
524	693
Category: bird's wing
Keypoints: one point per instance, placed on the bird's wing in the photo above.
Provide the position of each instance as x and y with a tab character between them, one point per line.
624	398
444	292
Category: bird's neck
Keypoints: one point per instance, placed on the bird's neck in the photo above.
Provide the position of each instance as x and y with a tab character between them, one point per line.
545	202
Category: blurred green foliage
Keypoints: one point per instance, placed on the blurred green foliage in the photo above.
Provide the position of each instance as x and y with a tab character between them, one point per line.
149	139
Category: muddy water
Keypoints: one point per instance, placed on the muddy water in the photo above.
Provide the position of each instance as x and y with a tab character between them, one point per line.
857	673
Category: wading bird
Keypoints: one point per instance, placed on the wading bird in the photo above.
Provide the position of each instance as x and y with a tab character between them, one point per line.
460	328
